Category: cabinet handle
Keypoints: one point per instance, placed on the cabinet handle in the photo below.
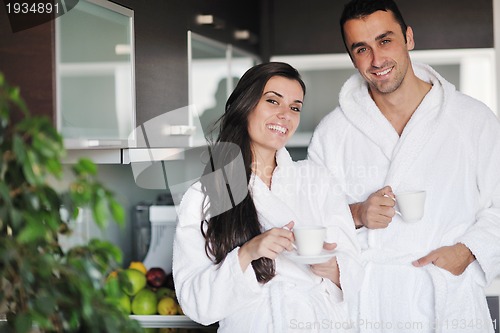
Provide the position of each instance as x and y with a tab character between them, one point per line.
179	130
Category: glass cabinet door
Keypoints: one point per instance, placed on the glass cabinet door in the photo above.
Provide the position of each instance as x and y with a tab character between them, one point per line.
95	75
214	71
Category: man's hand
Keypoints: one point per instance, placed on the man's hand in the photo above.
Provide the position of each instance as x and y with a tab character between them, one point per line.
376	212
330	269
454	259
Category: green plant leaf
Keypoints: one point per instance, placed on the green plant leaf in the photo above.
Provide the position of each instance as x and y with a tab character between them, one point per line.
33	231
85	166
23	323
117	211
4	194
99	209
18	147
41	285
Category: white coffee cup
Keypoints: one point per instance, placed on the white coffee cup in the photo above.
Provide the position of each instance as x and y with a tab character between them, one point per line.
309	239
411	205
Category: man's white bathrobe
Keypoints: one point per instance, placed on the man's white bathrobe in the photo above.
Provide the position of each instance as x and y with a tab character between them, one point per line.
295	298
449	148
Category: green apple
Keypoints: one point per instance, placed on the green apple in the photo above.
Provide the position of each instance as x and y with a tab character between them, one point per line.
164	291
144	303
124	303
137	281
167	306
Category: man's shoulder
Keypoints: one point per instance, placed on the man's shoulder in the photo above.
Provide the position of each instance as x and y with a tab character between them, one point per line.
468	110
334	119
312	172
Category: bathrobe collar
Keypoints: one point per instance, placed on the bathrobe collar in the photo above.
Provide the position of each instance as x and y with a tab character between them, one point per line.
402	151
271	203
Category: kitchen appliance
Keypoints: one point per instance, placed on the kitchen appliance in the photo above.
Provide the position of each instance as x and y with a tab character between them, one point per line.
141	233
163	222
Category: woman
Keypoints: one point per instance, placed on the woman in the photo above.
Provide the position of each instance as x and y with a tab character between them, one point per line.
233	261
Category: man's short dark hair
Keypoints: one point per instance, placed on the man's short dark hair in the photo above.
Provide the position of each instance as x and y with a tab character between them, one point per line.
356	9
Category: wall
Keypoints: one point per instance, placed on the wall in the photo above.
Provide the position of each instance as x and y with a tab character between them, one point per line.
314	29
119	179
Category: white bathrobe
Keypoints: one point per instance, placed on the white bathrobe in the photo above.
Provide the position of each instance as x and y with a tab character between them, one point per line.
449	148
295	300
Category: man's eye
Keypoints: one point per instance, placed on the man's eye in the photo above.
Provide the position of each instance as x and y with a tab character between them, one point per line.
361	50
385	41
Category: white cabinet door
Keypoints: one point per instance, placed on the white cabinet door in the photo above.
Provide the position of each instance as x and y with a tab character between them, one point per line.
95	75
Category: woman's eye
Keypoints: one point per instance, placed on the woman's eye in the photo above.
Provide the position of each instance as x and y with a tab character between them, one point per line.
272	101
294	108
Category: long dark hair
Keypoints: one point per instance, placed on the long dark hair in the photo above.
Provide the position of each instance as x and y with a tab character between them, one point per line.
233	217
357	9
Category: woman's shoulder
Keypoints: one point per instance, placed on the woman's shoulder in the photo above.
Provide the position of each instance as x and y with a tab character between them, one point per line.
191	204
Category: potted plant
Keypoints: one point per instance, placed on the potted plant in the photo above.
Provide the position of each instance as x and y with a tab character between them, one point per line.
42	287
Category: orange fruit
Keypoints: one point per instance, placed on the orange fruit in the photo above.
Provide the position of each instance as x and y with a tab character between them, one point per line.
139	266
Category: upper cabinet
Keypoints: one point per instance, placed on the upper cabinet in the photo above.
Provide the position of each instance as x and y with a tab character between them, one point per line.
95	90
214	71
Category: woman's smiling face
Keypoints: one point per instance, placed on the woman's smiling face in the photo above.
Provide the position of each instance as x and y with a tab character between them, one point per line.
277	114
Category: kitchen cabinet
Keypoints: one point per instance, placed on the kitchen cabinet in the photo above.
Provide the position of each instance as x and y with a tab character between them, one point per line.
28	59
214	71
94	66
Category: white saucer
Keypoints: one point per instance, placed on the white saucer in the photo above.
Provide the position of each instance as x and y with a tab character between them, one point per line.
324	256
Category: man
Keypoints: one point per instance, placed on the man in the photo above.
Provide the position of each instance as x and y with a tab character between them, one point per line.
402	127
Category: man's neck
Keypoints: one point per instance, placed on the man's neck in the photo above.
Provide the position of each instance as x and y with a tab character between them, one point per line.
399	106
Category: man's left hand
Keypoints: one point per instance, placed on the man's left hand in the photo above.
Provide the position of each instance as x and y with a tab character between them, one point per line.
454	259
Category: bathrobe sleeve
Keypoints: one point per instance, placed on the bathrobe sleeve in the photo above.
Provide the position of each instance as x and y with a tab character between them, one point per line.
319	147
207	292
483	238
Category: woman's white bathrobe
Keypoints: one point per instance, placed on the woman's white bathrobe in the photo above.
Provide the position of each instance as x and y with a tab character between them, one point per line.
450	148
295	298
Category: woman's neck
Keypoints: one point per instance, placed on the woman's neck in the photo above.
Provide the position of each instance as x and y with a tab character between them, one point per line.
263	165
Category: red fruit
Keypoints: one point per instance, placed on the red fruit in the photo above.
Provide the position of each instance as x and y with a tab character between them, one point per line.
156	277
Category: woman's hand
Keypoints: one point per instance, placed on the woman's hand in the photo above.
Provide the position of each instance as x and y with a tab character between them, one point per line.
330	269
268	245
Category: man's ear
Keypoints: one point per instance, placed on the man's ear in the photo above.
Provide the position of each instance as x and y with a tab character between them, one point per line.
410	42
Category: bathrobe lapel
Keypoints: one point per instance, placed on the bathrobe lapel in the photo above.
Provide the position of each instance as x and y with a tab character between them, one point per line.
360	109
416	135
402	152
272	205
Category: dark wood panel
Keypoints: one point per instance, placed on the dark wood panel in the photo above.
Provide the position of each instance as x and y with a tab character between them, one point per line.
302	29
450	23
26	59
160	57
